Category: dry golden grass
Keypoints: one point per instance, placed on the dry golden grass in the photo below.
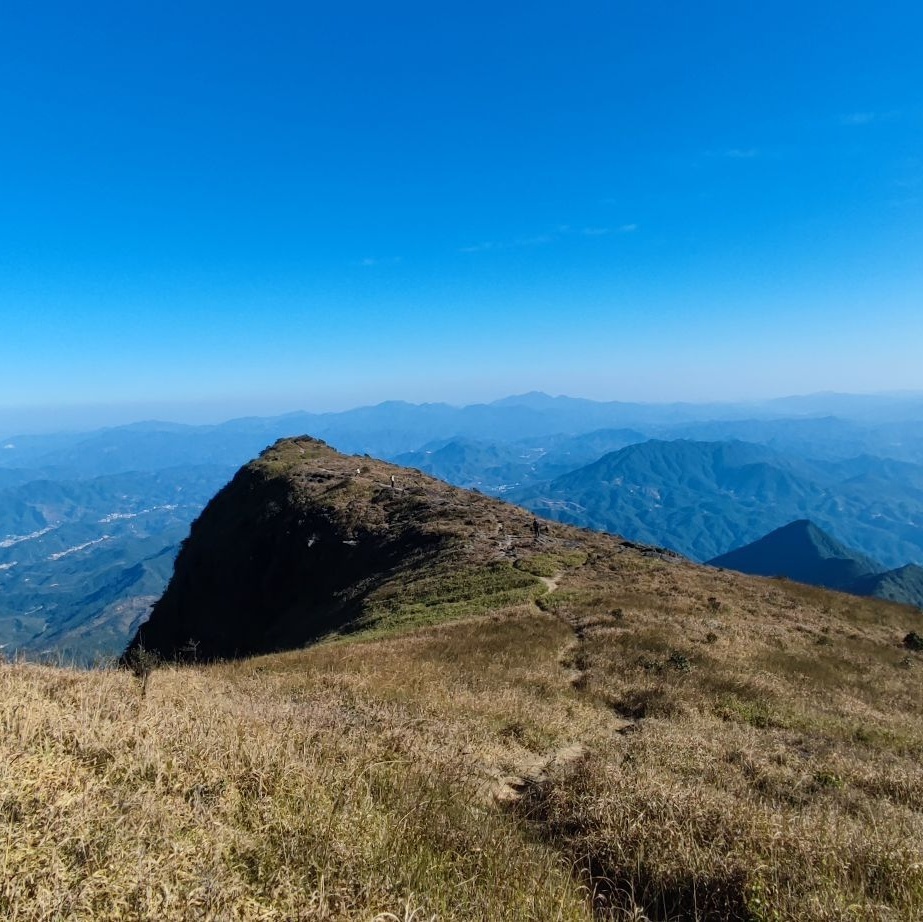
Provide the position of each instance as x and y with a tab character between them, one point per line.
270	790
652	740
774	770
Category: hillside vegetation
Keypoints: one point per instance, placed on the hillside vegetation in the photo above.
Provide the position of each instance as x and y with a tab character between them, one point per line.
622	736
705	498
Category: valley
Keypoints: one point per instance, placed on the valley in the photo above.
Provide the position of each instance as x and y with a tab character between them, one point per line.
98	555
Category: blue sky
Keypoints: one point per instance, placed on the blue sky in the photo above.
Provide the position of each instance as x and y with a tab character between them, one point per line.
223	208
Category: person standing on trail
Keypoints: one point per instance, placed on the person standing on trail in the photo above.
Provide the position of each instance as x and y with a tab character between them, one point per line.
392	481
536	530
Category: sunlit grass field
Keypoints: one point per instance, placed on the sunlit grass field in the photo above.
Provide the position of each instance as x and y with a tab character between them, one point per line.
648	739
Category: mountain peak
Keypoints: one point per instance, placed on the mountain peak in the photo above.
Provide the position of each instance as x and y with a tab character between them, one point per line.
531	399
305	541
813	537
803	552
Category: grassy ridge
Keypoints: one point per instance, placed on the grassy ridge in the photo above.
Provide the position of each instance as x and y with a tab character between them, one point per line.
573	730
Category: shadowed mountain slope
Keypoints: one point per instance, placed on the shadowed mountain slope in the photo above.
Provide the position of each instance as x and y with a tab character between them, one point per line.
306	541
801	551
905	584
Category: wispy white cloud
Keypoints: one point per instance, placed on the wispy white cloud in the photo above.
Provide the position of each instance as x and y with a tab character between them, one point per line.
906	201
856	119
561	232
486	245
603	231
733	153
761	155
371	261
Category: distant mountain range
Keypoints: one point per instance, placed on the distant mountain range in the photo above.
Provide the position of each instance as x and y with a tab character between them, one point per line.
90	522
805	553
702	498
815	426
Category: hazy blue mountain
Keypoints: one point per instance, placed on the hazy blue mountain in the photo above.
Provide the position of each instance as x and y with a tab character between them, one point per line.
803	552
566	453
904	584
498	468
866	408
876	408
814	438
704	498
393	428
387	429
486	466
81	561
886	426
149	446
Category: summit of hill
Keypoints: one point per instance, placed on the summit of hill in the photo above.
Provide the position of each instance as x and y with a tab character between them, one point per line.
801	551
305	542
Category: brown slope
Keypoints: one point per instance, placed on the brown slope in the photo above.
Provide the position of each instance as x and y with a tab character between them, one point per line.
305	541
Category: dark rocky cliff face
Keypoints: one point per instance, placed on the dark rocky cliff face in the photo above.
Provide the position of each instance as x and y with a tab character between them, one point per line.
296	544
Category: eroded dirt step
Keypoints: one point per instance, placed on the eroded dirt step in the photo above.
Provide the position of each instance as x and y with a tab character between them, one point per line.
510	788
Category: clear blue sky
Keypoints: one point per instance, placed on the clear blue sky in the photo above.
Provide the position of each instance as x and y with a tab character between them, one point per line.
264	206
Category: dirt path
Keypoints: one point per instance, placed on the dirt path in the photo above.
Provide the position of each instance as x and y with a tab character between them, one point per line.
551	582
509	789
535	770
